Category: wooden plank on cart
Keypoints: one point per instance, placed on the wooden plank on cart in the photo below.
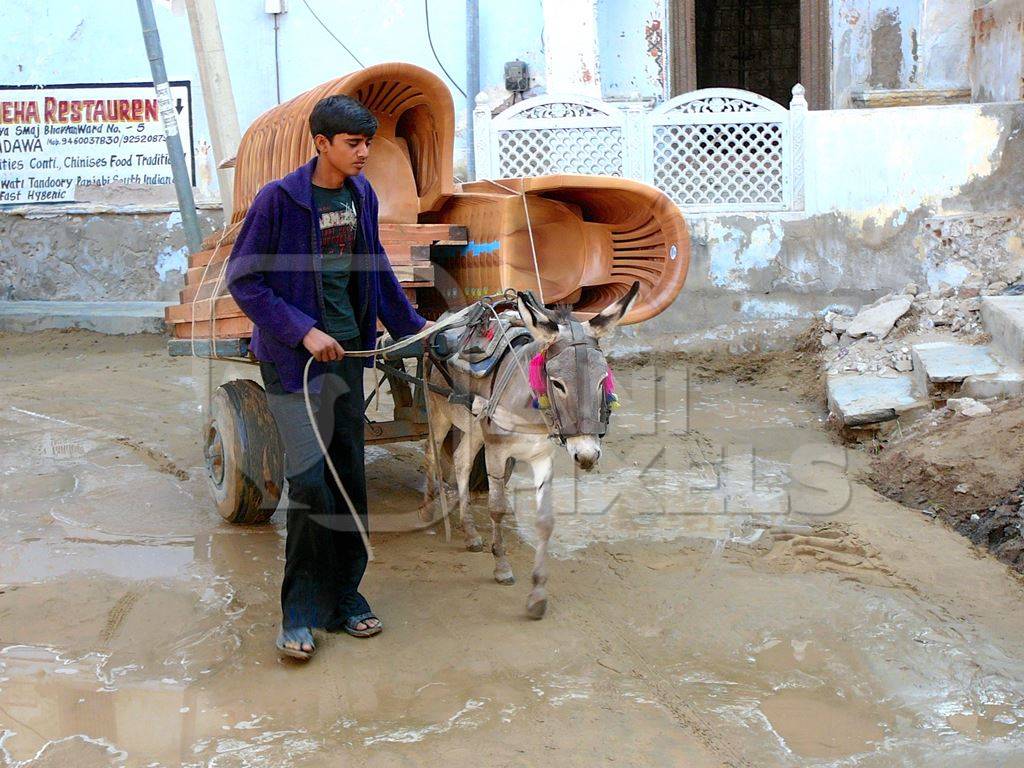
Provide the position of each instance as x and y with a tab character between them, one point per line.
377	432
203	348
228	328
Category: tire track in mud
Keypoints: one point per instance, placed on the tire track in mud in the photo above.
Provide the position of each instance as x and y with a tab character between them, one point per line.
594	622
117	615
834	548
159	461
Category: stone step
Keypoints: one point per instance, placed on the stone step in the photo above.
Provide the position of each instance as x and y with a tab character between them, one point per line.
1006	383
859	399
940	367
112	317
1003	317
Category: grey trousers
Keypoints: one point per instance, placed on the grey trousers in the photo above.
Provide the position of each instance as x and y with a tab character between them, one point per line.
324	555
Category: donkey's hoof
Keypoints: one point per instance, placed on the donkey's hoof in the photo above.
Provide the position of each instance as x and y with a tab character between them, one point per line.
477	545
505	579
426	511
537	609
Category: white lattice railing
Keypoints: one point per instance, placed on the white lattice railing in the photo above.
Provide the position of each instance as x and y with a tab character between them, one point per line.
551	134
716	149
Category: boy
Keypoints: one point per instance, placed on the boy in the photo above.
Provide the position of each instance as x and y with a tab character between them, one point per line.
309	270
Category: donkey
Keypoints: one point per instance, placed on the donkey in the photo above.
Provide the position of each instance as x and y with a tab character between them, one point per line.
554	389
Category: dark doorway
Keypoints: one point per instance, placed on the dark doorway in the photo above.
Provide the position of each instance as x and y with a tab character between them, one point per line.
748	44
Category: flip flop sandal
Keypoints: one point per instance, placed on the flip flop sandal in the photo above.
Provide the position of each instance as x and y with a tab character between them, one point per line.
300	636
352	621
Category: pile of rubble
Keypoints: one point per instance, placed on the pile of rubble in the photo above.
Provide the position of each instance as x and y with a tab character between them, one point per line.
854	343
908	353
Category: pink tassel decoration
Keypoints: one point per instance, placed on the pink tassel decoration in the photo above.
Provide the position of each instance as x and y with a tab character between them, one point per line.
609	383
537	374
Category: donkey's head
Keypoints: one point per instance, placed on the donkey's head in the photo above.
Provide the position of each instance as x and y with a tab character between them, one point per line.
571	376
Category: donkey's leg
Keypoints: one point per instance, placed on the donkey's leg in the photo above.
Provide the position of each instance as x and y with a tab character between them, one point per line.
497	503
537	602
440	424
465	452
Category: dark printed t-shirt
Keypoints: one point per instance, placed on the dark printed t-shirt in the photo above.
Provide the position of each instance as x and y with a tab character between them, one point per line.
338	222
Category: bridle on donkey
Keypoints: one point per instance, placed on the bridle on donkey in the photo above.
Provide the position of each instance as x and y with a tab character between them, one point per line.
578	356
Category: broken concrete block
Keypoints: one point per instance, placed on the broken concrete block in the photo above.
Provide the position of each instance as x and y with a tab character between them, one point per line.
879	320
1003	317
1002	384
948	363
933	306
903	364
968	406
829	339
912	289
859	400
840	324
997	287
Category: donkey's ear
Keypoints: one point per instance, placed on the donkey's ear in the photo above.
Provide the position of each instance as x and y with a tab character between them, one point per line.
536	317
606	320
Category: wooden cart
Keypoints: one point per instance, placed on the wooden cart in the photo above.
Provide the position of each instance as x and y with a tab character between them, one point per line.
587	238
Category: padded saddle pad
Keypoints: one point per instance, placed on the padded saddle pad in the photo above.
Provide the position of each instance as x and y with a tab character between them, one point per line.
472	351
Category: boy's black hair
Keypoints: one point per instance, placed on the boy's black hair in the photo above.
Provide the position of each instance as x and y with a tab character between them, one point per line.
341	114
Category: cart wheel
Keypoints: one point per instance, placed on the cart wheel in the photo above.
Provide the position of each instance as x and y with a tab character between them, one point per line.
477	475
244	457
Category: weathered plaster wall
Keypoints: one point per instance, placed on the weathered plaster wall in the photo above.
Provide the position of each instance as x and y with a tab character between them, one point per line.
997	51
90	257
898	44
928	195
634	43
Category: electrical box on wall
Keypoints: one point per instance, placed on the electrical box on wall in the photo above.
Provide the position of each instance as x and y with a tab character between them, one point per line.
517	76
274	6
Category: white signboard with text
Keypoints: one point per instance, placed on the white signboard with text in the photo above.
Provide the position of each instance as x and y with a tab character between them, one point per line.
57	138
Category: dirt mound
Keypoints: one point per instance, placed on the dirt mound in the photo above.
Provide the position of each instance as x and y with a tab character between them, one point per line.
968	472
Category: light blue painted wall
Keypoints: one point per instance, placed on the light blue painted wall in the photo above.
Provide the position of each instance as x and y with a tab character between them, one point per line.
60	41
633	47
397	31
934	43
100	41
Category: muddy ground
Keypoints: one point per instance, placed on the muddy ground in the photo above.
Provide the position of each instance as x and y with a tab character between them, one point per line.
725	592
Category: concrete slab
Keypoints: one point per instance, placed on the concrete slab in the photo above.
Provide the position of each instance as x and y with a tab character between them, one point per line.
943	362
1007	383
1003	317
878	321
112	317
860	399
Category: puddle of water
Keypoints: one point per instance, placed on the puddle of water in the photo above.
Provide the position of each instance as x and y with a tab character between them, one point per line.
45	560
17	485
654	503
820	723
894	696
46	697
989	721
681	459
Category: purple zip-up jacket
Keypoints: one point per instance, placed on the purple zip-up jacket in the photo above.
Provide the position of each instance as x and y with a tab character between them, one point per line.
274	273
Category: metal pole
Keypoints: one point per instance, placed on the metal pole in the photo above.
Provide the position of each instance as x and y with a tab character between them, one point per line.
182	184
472	79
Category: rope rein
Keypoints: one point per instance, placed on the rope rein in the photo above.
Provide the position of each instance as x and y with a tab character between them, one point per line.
377	350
